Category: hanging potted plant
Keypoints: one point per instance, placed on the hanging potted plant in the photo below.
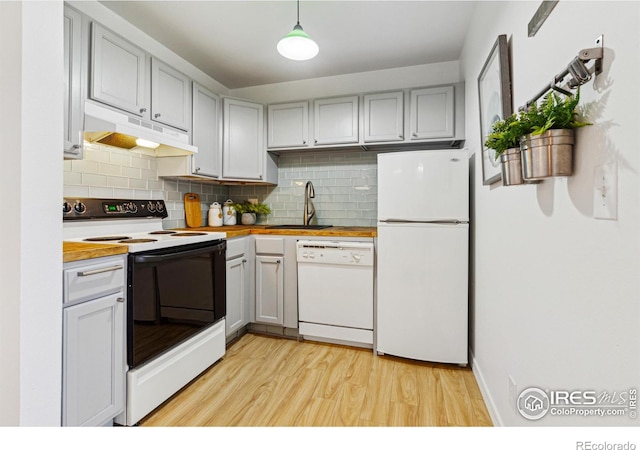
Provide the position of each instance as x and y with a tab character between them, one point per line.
249	211
504	139
547	151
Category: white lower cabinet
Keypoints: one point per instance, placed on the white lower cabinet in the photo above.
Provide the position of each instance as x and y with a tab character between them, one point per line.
238	285
93	352
270	289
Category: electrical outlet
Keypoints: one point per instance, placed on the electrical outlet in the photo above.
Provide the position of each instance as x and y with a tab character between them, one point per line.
513	392
605	192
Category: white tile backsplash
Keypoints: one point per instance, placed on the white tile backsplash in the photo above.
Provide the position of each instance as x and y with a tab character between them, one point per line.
113	173
345	185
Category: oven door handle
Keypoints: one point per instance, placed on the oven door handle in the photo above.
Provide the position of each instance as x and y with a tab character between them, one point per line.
169	256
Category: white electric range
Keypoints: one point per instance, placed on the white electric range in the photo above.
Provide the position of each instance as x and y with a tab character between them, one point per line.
176	294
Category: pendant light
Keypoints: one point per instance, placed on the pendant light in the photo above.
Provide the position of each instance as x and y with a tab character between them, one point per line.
297	45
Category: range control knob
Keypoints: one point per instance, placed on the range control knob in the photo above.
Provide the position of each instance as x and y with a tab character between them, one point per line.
151	207
160	206
80	208
66	207
132	207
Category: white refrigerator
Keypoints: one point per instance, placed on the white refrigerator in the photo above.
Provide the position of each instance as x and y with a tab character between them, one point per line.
422	259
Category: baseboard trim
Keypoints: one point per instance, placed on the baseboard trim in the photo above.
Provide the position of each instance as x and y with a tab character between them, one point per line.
484	390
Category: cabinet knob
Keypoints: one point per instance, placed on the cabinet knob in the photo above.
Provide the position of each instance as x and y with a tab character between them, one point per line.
315	141
156	115
304	142
143	110
244	261
400	136
120	299
197	169
415	134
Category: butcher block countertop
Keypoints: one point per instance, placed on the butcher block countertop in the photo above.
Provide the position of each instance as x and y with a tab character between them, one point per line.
244	230
77	251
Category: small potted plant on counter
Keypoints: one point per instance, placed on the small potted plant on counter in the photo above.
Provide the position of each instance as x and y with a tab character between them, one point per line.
547	150
504	139
249	211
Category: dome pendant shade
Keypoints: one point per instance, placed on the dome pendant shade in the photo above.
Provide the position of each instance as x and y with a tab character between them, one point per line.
297	45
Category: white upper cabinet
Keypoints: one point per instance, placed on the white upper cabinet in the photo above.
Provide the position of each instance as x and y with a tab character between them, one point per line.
206	132
72	84
288	125
384	117
243	146
432	113
336	120
170	96
118	71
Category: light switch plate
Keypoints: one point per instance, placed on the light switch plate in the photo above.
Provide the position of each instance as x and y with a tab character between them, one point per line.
605	192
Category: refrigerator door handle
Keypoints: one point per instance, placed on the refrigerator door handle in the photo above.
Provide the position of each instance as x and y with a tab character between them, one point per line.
438	222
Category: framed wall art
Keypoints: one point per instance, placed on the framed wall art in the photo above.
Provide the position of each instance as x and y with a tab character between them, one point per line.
494	89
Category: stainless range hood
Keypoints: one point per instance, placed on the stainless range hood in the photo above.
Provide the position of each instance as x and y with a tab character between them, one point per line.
108	127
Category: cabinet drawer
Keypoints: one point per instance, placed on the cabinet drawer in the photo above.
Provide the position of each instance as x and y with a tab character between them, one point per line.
271	246
87	281
235	248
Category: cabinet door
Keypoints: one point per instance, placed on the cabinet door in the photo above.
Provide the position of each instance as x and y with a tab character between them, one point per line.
236	295
169	96
243	148
432	113
336	120
72	81
383	117
269	289
93	361
118	71
206	132
288	125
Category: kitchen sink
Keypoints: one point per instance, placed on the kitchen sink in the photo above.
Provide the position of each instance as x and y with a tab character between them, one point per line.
297	227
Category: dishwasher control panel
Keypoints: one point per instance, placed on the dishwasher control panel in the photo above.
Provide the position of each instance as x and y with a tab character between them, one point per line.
331	252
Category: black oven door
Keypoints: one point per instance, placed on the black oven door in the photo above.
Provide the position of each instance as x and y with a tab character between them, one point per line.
174	293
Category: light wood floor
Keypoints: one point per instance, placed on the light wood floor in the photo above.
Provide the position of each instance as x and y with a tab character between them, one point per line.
270	381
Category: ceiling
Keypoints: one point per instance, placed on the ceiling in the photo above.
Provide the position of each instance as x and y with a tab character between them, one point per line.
234	42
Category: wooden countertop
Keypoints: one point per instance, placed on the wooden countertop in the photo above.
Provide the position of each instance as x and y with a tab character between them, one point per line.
77	251
244	230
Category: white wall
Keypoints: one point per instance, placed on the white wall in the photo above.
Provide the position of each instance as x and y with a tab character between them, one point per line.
556	298
31	187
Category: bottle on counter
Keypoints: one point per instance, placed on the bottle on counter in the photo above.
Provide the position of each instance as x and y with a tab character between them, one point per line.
229	213
215	215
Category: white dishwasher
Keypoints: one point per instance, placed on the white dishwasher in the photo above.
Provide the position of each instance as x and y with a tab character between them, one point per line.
335	291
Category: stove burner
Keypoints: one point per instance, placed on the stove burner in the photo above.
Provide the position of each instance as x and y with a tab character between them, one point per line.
163	232
189	234
136	241
107	238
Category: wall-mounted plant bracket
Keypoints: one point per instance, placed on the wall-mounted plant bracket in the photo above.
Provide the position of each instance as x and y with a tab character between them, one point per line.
577	70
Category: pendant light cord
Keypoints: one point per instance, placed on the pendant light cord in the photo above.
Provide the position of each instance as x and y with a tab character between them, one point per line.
298	12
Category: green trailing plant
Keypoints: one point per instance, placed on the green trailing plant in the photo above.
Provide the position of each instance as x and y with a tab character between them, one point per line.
506	133
247	207
554	113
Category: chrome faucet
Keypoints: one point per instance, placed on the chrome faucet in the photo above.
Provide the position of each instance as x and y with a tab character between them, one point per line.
309	210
